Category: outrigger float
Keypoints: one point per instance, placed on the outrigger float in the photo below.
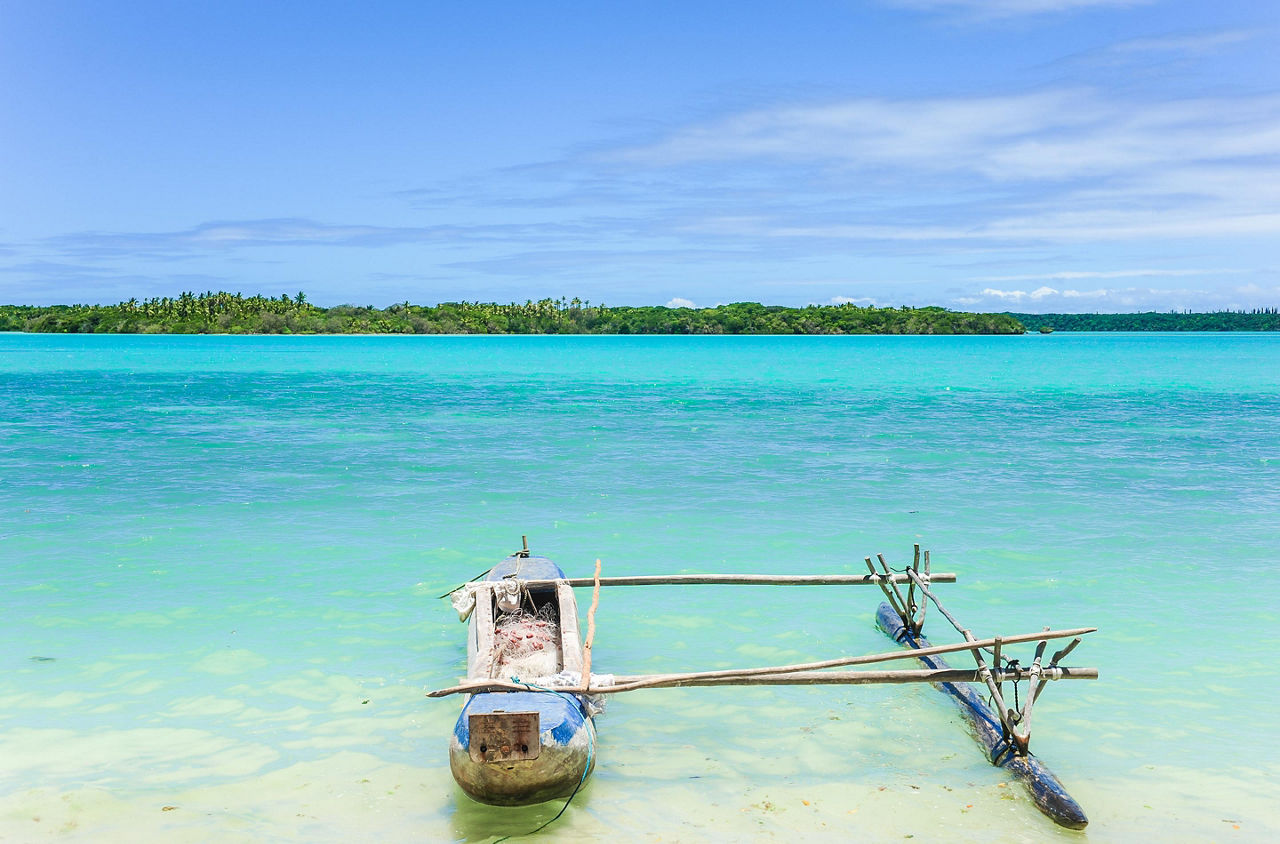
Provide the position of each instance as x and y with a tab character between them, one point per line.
526	733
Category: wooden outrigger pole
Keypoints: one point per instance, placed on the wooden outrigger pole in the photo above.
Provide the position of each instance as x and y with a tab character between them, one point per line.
1004	732
873	579
811	673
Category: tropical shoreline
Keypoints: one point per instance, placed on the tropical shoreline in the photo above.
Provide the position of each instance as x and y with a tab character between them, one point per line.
233	313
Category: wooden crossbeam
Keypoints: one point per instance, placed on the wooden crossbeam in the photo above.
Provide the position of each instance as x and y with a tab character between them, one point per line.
874	579
794	678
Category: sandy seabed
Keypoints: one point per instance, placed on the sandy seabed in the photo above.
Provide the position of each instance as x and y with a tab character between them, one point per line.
355	796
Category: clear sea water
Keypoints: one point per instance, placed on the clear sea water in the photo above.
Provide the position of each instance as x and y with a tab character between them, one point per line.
221	558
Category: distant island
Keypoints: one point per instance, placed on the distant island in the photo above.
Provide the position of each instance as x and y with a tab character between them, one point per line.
231	313
1259	319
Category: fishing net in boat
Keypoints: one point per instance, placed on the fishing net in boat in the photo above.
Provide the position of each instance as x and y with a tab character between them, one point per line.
526	644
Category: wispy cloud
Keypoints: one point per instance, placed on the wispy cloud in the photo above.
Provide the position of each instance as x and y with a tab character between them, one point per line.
227	235
1067	165
1074	275
933	134
1043	136
47	268
51	282
587	262
1010	8
1038	227
1199	43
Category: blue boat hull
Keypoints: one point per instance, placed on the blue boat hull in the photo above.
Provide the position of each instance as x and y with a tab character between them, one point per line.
564	751
566	757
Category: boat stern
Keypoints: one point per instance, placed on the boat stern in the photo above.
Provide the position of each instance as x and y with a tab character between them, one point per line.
521	748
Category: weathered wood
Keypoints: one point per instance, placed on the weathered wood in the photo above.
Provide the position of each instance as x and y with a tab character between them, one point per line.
884	583
1022	734
591	630
744	580
917	623
854	678
1046	790
484	646
984	672
503	736
1060	655
902	601
924	590
911	588
570	641
867	659
995	658
844	661
792	678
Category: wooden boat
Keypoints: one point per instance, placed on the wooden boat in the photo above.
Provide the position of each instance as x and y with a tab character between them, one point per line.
514	748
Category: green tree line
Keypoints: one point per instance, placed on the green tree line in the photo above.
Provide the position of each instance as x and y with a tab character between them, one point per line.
1258	319
232	313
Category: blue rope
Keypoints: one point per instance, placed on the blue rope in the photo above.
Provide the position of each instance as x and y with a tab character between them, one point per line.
591	748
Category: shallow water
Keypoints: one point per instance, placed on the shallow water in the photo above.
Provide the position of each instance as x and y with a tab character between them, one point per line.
222	556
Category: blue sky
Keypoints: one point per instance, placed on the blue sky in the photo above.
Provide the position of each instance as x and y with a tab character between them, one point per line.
1035	155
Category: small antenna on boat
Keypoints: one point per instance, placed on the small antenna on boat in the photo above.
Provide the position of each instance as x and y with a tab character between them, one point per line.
523	552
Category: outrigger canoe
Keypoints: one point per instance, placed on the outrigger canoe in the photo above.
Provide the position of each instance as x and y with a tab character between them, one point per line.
514	748
525	734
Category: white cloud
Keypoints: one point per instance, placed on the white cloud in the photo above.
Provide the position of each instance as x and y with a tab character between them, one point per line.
932	134
1121	299
1185	198
849	300
1119	224
1082	274
680	303
1019	295
1047	226
1046	136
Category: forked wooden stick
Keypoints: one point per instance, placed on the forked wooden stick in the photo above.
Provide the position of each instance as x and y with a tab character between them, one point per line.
591	630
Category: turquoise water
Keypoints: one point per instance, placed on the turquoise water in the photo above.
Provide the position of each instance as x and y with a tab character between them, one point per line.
221	557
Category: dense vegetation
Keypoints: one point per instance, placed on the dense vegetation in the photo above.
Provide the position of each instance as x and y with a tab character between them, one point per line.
231	313
228	313
1261	319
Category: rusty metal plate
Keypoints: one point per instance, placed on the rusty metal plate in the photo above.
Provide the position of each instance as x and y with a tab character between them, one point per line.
504	736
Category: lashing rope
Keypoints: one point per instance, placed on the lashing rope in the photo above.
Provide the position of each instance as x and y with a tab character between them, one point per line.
591	747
